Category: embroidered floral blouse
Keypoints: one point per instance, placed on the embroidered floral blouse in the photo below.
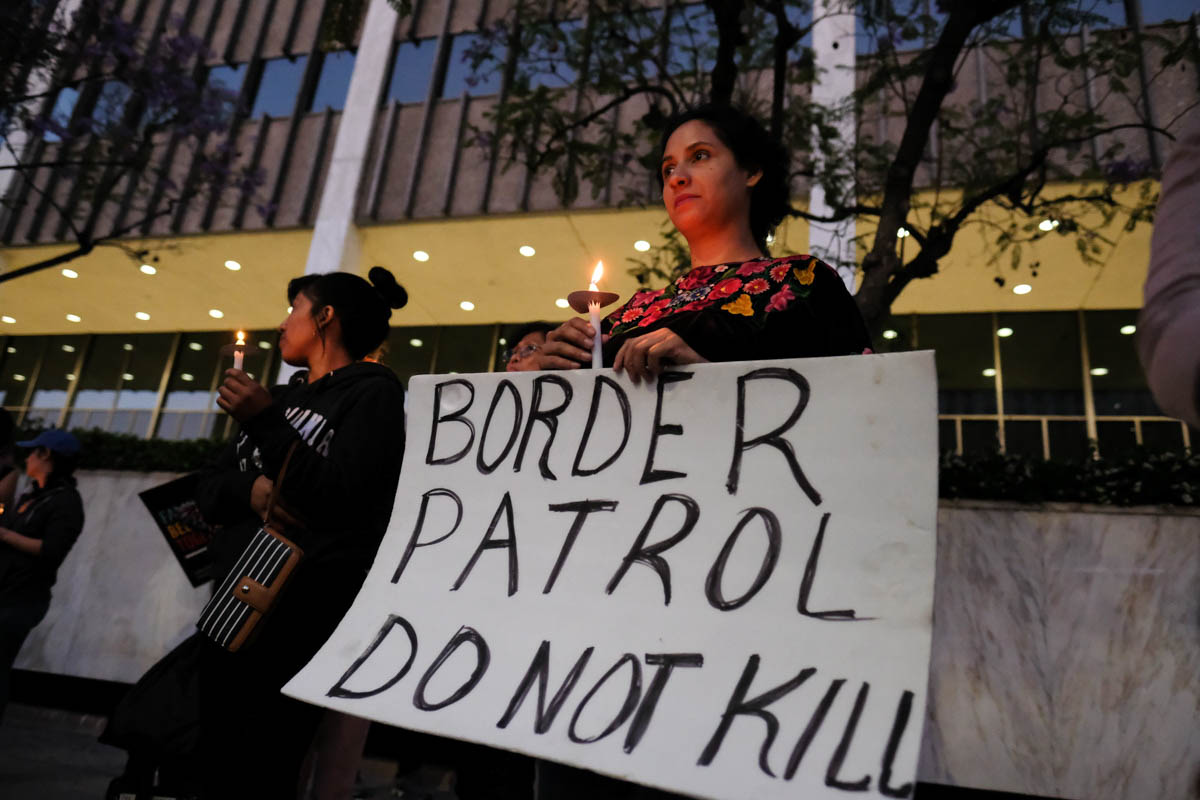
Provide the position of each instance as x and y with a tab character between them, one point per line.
790	307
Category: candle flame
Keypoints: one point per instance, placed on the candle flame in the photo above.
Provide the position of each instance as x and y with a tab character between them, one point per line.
241	337
597	274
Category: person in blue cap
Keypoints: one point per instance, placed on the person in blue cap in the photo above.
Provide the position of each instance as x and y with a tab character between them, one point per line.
36	533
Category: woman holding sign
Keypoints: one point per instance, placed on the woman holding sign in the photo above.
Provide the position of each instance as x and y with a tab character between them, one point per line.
339	426
725	187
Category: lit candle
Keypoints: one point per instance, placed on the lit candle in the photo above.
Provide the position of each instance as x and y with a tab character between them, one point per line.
594	317
239	350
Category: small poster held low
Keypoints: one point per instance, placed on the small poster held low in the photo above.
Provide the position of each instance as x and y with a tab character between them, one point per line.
173	506
719	583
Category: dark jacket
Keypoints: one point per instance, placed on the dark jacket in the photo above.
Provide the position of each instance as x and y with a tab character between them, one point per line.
54	515
341	482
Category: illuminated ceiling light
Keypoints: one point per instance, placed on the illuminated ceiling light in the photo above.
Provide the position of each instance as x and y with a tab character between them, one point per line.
526	250
12	349
1004	333
68	348
770	238
890	334
146	268
127	376
74	318
195	346
1047	225
903	233
1129	330
6	318
216	313
503	342
562	303
18	377
70	273
264	345
289	309
641	245
232	265
1099	372
415	342
1022	288
142	315
70	376
187	376
420	255
467	305
989	373
127	347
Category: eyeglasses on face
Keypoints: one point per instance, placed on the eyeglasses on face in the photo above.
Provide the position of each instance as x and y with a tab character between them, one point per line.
521	352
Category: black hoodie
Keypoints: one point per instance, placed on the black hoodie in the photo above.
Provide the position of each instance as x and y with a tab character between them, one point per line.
341	480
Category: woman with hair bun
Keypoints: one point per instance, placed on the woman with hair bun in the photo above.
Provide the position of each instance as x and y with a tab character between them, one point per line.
725	186
335	501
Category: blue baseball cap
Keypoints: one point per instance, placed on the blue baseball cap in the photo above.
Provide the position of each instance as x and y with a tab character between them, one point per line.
55	440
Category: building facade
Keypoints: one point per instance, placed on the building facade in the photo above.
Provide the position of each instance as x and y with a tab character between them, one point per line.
367	158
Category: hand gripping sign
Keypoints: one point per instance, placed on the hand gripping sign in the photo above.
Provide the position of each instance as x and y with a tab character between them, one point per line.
719	583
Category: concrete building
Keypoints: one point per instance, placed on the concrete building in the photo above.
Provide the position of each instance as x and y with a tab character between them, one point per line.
366	162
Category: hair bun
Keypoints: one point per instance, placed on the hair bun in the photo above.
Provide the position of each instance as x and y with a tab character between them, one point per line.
393	293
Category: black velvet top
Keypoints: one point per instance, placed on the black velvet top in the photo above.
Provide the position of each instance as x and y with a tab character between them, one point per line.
791	307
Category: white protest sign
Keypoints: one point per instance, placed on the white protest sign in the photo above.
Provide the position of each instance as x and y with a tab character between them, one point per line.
718	584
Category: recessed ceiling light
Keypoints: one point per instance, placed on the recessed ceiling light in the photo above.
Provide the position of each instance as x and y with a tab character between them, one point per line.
146	268
142	315
415	342
127	376
1022	288
127	346
1129	330
902	233
73	318
1047	225
11	349
70	376
68	348
8	319
503	341
1099	372
989	373
187	376
232	265
216	313
264	345
890	334
420	255
1004	333
641	245
18	377
562	303
467	305
195	346
526	250
70	273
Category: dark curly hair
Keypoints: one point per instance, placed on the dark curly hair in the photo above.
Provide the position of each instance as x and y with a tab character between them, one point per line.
754	149
362	308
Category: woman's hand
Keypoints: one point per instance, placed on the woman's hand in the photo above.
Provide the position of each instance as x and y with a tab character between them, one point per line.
241	397
569	346
644	356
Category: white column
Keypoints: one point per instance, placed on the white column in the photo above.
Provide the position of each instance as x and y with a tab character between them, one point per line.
335	243
833	52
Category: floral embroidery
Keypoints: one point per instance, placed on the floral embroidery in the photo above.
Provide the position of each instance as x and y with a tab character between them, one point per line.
780	271
742	306
781	299
805	277
632	314
725	288
757	286
751	268
697	277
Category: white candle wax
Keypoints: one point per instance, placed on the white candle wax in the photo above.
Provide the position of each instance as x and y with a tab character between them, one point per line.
239	358
597	354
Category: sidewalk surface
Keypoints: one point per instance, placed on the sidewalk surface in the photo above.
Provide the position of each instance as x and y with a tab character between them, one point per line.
53	755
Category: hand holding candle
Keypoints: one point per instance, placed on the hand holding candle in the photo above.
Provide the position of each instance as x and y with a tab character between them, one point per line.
592	301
